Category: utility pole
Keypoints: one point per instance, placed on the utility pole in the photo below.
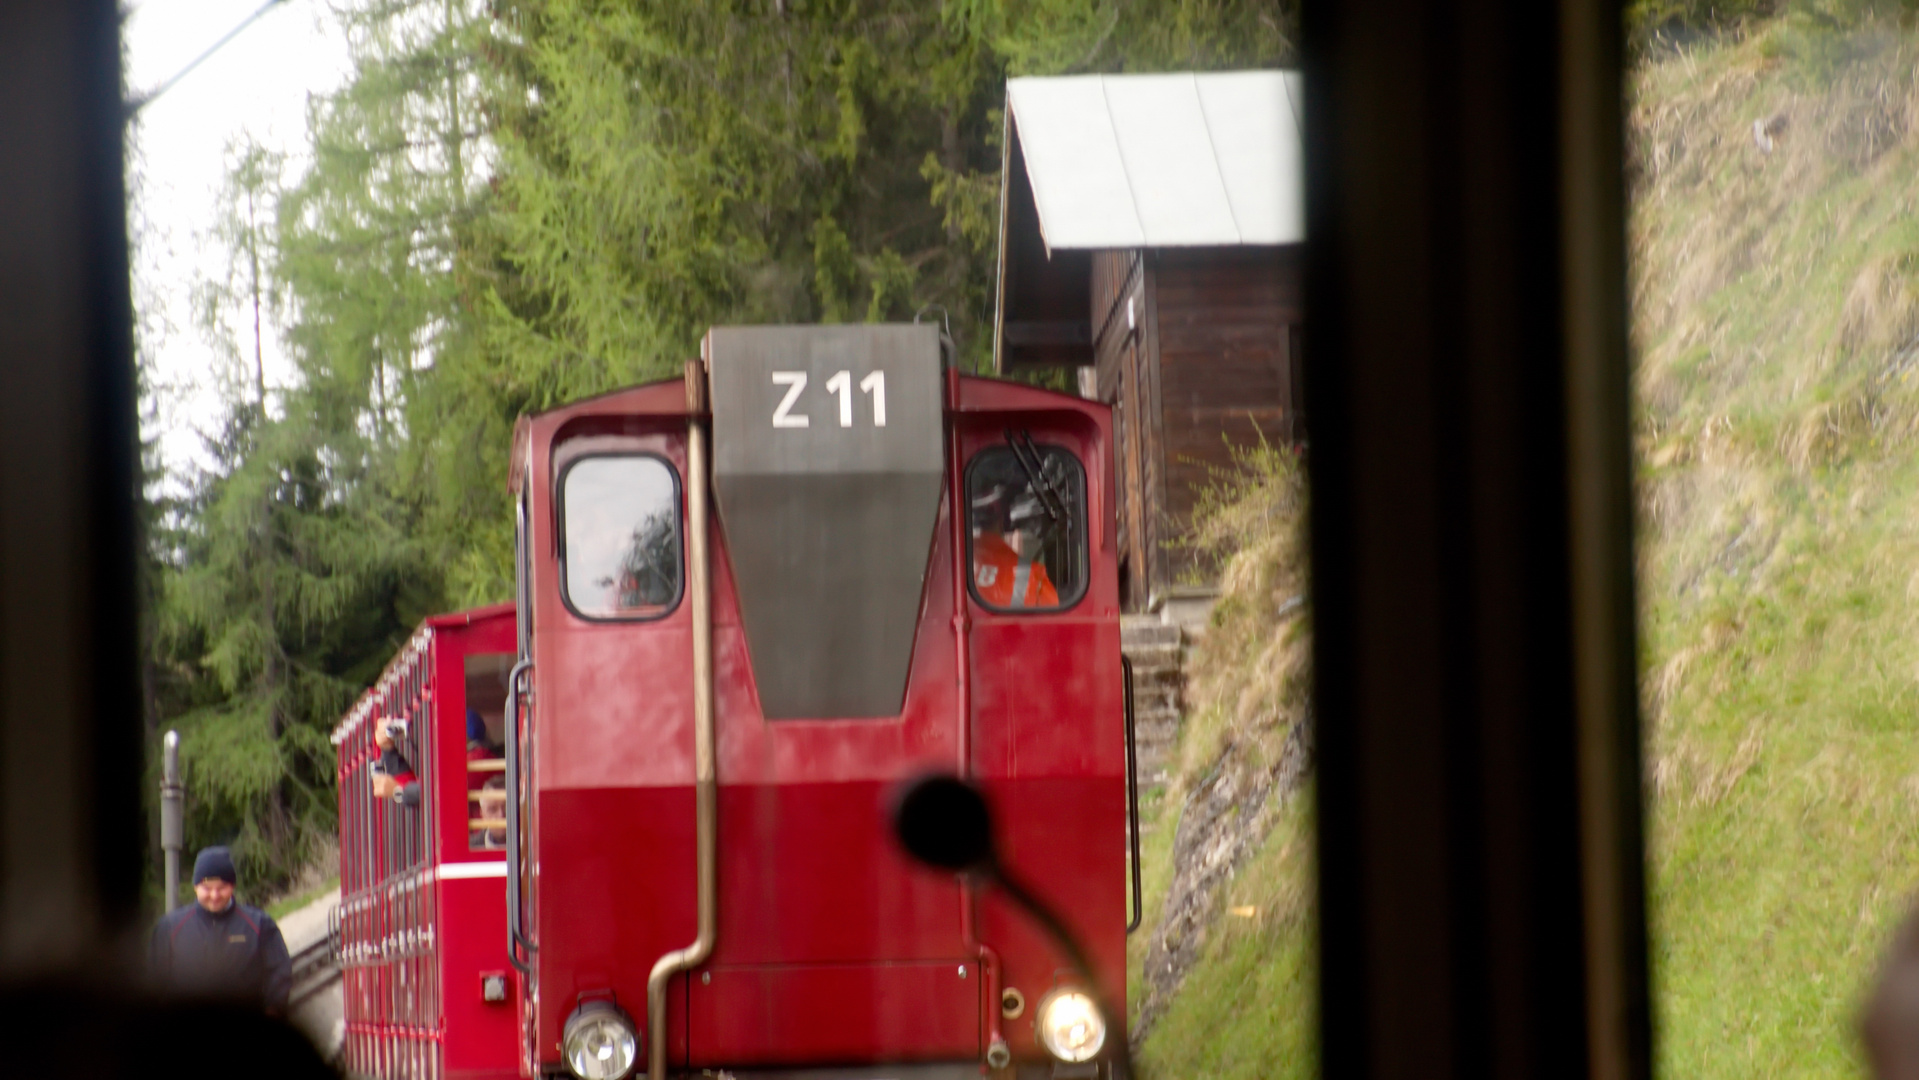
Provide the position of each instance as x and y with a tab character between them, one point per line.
172	816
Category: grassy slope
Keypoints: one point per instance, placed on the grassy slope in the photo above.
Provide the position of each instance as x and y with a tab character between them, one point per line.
1776	315
1780	526
1246	1010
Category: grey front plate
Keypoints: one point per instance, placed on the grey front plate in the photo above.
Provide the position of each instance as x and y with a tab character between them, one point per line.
827	460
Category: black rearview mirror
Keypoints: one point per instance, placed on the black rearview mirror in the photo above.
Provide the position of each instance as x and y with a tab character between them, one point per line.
943	822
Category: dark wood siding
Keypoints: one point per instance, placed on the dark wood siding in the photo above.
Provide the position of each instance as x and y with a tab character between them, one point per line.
1115	278
1210	363
1225	322
1158	532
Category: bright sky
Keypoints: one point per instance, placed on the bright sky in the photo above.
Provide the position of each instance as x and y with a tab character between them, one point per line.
258	84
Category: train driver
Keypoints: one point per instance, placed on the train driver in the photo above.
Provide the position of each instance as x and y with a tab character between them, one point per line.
1008	526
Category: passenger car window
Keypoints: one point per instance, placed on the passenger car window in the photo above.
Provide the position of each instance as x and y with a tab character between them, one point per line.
620	535
1027	544
485	731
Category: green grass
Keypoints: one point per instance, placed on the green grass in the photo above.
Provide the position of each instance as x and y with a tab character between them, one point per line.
1247	1011
1246	1008
1779	493
1784	836
1157	824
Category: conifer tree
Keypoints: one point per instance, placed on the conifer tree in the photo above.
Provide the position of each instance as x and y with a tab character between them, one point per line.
288	573
674	165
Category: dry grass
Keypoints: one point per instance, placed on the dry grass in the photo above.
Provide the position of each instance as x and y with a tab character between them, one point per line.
1227	943
1776	312
1722	227
1249	679
1882	306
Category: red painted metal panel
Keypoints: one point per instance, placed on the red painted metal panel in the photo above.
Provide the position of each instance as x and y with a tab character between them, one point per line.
836	1013
615	894
480	1035
411	939
1060	835
479	1040
811	875
387	899
610	822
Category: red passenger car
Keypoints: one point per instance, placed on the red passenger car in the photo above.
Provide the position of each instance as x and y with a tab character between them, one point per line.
751	603
426	986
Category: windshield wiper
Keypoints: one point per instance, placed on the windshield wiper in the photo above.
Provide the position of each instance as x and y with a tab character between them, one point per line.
1027	454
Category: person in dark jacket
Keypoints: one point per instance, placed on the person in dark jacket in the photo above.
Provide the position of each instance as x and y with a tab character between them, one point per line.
218	947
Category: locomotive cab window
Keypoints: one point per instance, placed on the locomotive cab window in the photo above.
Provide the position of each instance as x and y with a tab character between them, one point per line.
620	536
1027	545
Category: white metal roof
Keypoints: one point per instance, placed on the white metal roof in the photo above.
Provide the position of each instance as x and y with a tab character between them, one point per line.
1184	160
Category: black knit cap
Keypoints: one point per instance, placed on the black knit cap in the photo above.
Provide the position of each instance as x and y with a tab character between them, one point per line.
214	862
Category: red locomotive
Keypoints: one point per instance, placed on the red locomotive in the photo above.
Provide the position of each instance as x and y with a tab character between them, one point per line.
752	602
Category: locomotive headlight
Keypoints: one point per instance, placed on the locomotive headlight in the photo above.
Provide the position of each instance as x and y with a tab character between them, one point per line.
599	1042
1070	1026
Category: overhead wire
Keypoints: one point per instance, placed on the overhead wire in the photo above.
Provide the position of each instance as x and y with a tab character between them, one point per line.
135	104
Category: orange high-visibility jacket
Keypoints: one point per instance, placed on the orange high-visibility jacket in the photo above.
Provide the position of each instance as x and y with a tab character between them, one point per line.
1004	580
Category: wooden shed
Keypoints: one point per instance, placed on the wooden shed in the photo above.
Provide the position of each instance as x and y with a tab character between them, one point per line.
1150	237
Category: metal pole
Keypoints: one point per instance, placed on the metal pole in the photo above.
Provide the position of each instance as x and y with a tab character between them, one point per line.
172	817
705	767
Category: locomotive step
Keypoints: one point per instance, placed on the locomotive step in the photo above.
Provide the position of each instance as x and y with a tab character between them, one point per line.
1144	631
